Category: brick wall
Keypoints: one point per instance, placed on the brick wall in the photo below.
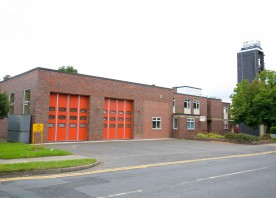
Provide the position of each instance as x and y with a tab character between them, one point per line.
200	127
97	89
148	101
17	85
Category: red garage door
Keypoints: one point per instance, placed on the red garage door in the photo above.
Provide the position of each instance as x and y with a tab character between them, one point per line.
68	117
117	119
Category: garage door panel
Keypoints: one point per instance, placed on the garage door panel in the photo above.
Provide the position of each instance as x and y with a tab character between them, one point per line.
52	117
115	115
83	118
62	117
68	117
73	118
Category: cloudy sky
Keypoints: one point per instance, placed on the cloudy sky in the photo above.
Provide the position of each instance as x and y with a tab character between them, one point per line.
163	42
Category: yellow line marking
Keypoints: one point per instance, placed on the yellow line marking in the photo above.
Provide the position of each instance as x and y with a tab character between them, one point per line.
134	167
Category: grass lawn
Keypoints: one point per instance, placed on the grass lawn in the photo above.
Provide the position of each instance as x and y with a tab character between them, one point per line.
20	150
29	166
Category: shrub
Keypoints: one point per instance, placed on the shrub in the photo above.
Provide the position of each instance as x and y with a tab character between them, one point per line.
266	137
214	136
201	135
241	137
209	136
272	130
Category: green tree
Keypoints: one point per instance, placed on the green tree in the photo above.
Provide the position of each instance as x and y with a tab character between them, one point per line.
4	105
68	69
6	77
255	103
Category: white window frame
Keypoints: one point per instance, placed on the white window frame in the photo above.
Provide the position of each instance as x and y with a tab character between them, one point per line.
26	102
196	105
156	120
175	123
187	109
225	124
11	103
189	122
225	112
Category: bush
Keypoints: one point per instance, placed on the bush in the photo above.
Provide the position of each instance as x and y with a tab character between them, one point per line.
214	136
209	136
272	130
241	137
201	135
266	137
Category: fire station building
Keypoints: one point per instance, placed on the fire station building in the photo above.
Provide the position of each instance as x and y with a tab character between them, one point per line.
77	107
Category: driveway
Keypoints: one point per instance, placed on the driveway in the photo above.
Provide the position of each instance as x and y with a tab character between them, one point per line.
115	154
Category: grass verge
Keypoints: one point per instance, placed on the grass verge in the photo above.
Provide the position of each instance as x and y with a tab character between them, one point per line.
10	150
30	166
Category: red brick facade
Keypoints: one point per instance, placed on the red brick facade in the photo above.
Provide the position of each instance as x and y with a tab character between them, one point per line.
148	102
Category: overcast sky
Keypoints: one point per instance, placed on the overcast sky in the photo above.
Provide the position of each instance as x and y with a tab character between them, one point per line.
163	42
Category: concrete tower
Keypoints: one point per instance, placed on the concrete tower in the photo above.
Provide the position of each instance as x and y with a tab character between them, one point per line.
250	64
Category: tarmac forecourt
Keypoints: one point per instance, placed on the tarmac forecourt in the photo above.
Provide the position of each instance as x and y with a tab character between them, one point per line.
71	174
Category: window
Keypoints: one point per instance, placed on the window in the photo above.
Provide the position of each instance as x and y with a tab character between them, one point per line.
187	104
72	125
62	109
196	107
83	110
190	123
196	104
173	105
156	123
225	112
62	117
120	112
26	102
61	125
73	117
83	125
83	118
51	117
225	124
11	103
73	109
175	123
52	108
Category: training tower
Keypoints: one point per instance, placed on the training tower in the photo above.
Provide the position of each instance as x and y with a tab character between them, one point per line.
250	62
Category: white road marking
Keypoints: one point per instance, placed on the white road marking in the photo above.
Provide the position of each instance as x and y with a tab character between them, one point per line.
121	194
230	174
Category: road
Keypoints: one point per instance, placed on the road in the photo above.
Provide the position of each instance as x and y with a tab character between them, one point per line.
238	171
252	176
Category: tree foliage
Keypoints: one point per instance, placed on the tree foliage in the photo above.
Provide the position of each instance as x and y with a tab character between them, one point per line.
6	77
4	105
255	103
68	69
